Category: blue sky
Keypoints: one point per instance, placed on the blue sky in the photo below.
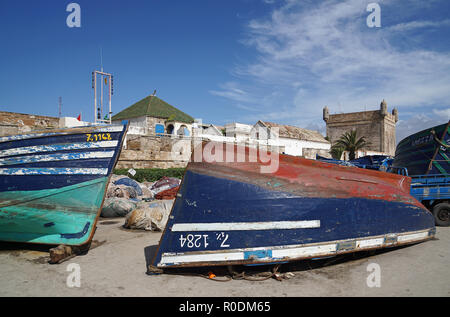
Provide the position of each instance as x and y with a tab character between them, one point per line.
231	60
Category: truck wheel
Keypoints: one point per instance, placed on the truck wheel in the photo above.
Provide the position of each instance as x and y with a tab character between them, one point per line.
441	214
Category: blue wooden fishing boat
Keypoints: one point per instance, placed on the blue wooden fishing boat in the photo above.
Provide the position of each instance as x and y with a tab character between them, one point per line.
373	162
425	156
425	152
52	183
230	213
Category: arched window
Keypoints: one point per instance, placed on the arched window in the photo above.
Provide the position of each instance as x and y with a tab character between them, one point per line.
183	130
170	129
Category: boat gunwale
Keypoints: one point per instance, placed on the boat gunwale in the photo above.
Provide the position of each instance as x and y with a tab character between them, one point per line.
268	261
405	139
38	134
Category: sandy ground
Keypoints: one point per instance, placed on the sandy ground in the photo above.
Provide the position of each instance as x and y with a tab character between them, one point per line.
119	268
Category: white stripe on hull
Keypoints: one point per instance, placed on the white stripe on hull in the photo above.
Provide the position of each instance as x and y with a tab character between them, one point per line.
234	226
292	252
214	257
370	243
25	136
53	171
412	237
304	251
57	147
55	157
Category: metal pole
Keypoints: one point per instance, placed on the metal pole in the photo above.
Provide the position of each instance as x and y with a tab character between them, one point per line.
102	73
95	97
109	114
101	97
99	110
60	106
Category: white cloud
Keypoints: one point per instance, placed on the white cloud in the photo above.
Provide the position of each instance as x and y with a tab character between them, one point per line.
418	122
311	54
402	27
231	90
444	114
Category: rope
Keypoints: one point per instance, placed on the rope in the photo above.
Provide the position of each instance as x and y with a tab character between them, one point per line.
439	141
233	275
256	277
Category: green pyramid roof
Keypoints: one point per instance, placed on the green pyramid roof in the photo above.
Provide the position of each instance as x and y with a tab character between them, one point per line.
152	106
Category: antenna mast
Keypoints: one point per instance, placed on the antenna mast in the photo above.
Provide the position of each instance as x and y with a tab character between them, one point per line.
59	106
108	80
98	109
101	58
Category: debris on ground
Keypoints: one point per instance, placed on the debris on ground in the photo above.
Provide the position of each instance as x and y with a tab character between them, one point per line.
130	183
117	207
165	183
63	253
145	206
121	191
170	193
149	216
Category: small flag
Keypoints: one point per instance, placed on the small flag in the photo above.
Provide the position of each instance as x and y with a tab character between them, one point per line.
79	117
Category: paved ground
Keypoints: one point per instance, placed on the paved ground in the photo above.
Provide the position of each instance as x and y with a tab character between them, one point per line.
118	268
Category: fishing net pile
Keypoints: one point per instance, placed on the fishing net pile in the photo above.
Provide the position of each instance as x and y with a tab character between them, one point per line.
144	205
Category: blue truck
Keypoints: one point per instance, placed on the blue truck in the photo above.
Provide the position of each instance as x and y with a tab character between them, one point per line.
433	191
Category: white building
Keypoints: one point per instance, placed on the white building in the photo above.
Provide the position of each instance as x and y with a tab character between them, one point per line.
290	139
282	138
239	131
70	122
210	132
154	116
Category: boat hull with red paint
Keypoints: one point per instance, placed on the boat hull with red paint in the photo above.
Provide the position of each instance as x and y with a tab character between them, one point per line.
230	213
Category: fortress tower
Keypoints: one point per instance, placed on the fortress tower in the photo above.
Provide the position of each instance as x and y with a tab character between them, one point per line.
378	127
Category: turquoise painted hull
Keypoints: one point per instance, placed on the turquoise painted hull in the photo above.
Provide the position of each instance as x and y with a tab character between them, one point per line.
66	215
53	183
